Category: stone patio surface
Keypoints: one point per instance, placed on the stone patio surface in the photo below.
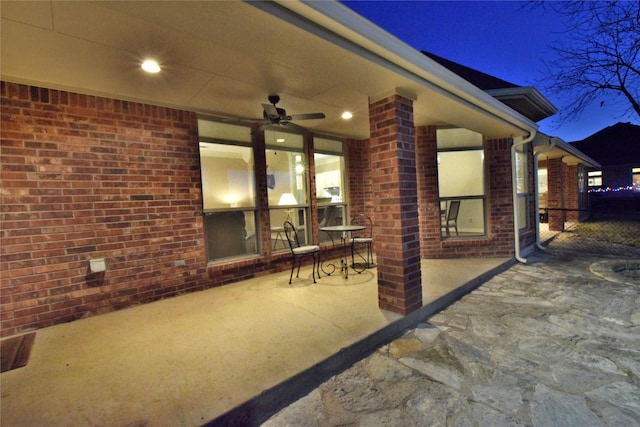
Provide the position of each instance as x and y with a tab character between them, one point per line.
548	343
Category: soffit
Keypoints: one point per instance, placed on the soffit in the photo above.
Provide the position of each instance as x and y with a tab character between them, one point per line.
218	58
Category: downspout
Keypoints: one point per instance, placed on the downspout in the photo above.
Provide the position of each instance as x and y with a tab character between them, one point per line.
552	143
514	187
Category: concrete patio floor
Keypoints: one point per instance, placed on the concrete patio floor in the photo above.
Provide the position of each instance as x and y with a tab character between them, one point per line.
231	355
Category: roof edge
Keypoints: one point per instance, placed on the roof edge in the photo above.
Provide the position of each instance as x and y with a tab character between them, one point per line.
565	147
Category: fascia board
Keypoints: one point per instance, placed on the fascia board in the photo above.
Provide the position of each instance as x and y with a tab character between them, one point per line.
531	93
340	24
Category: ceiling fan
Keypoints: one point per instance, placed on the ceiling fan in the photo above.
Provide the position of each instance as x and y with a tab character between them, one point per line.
275	116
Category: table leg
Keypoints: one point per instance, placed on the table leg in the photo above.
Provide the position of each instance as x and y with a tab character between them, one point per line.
343	261
333	267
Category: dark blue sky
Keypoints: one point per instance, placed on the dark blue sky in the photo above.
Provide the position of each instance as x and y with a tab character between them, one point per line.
500	38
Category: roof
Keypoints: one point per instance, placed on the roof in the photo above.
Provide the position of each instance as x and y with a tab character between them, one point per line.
618	144
482	80
526	100
225	58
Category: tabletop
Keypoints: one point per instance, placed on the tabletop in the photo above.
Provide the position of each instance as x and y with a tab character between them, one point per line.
343	228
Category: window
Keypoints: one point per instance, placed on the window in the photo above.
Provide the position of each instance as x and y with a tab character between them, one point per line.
543	189
461	178
594	179
228	190
522	189
330	189
635	177
543	185
288	185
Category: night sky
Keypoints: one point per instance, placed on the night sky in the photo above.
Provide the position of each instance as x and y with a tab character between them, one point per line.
501	38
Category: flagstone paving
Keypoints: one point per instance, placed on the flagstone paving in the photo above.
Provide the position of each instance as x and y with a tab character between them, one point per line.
548	343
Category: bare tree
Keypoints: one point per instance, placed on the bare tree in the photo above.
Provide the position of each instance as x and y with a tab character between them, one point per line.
599	59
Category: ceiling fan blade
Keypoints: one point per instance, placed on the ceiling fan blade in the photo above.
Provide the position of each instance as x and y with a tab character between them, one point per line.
270	110
263	127
293	126
308	116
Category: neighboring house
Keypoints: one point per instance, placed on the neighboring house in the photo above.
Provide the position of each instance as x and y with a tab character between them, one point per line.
121	187
617	149
614	186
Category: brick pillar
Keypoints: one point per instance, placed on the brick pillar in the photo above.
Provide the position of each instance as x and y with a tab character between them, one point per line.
555	201
397	239
570	192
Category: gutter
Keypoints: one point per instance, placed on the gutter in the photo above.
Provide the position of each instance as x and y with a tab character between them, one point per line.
514	188
552	143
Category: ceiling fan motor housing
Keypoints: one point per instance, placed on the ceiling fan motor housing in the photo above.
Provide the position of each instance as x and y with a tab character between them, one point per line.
274	99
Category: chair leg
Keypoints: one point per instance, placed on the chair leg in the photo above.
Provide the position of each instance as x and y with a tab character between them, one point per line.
317	265
313	268
353	260
293	265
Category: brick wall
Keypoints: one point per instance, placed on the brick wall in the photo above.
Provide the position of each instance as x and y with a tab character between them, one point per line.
85	177
499	241
359	177
428	197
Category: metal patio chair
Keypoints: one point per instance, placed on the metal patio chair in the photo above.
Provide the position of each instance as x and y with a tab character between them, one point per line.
299	252
362	239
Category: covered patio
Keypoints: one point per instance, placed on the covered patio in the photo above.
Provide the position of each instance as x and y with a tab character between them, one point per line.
231	355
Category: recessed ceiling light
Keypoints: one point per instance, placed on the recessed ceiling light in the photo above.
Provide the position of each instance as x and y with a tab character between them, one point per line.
280	140
347	115
150	66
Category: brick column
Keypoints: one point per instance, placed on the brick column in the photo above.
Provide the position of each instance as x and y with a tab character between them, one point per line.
397	240
555	200
570	192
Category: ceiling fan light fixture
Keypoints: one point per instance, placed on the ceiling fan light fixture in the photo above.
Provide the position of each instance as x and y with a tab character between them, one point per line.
150	66
347	115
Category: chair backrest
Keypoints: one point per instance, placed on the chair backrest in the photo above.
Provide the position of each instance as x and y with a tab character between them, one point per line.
362	219
292	235
454	208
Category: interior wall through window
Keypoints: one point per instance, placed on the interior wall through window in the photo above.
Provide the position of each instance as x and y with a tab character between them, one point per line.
461	182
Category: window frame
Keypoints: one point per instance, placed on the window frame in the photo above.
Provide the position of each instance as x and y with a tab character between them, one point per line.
593	176
251	229
298	213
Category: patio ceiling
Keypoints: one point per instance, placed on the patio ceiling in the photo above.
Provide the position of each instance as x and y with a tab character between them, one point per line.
225	58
